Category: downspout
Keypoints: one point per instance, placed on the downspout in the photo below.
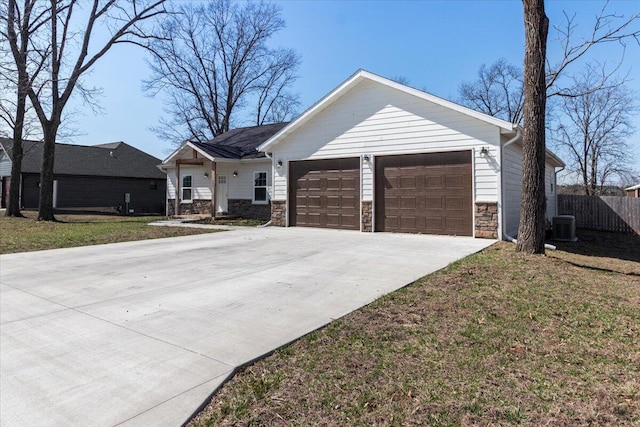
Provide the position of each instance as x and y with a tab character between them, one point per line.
505	236
556	193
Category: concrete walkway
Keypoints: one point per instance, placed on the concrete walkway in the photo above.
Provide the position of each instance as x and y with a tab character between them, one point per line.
141	333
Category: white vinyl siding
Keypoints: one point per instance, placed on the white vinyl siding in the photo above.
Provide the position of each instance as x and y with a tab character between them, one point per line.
5	164
201	185
512	190
377	120
239	187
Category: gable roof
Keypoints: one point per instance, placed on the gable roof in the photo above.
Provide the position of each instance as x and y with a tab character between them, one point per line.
236	144
362	75
116	159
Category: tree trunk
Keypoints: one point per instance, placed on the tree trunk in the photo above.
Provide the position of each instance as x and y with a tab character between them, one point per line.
532	213
13	207
45	211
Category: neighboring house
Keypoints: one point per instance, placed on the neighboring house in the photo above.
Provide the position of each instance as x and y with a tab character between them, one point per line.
89	178
633	191
227	170
373	155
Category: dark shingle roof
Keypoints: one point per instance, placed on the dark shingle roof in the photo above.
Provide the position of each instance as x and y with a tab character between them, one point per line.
240	143
115	159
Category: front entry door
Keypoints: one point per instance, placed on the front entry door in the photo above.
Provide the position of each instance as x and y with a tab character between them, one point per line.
222	192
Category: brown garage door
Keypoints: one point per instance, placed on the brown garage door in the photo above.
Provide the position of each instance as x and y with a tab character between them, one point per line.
425	193
325	193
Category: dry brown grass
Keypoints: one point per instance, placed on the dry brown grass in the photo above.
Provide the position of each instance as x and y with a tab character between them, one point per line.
495	339
27	234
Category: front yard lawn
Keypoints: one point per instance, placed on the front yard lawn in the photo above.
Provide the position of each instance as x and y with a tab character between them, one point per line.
495	339
27	234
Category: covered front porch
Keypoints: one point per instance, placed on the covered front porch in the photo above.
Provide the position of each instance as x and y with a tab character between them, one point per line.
201	184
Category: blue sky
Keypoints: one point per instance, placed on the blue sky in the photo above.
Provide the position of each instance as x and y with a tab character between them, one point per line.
437	45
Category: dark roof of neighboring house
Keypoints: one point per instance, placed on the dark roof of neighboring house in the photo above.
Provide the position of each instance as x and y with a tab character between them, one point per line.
116	159
241	143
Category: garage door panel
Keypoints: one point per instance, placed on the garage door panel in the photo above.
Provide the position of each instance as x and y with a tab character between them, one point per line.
408	203
350	202
333	202
454	203
408	222
424	193
433	203
434	182
326	193
392	202
408	183
314	202
350	183
454	181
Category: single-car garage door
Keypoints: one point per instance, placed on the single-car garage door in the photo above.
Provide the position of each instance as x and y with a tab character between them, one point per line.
325	193
424	193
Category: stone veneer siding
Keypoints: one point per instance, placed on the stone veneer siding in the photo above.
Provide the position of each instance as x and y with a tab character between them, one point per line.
279	213
198	206
245	208
367	209
486	220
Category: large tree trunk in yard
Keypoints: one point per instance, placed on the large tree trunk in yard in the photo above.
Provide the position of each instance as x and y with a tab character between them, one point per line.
45	211
13	207
532	214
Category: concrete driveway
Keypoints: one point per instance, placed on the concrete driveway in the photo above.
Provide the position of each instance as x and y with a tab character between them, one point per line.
141	333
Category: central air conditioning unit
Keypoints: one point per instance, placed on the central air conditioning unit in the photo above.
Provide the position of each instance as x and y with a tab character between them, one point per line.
564	228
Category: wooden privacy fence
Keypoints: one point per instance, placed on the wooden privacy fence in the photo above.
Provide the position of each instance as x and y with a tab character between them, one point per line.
606	213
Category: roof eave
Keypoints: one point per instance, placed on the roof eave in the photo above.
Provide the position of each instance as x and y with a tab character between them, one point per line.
190	145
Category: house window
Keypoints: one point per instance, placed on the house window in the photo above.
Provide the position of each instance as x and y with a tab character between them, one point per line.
187	189
259	187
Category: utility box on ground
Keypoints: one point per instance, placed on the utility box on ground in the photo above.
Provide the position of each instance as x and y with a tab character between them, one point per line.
564	228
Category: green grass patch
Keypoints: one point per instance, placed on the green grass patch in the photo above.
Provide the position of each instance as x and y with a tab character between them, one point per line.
495	339
27	234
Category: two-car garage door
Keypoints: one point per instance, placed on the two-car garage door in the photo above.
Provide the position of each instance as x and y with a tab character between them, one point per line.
416	193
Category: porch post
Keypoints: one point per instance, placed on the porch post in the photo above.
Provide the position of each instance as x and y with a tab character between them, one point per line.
176	208
213	189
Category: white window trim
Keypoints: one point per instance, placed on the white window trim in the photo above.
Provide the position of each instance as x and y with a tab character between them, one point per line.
182	188
266	189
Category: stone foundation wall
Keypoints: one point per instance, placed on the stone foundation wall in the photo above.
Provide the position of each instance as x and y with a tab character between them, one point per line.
246	209
279	213
198	206
486	220
366	217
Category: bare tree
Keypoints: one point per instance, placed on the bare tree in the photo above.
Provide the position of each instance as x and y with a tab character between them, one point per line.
275	103
18	72
214	64
594	130
533	203
497	91
66	39
608	28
